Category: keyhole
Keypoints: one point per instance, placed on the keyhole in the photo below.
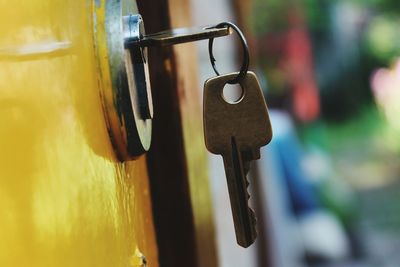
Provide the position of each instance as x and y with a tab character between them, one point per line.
232	93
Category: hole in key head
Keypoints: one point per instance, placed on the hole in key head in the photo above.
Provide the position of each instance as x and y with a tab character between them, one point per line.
232	93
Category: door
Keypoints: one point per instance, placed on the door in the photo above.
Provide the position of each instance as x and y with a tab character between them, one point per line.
65	198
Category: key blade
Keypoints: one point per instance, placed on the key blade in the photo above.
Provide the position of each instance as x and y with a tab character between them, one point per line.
243	216
182	35
248	122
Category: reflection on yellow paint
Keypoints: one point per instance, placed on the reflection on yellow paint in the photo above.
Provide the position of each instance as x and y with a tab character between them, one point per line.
64	200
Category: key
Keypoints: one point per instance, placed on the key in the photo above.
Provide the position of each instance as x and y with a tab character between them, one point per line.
176	36
237	131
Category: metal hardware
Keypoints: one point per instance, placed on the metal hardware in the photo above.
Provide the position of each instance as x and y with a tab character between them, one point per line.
246	57
124	79
133	29
237	131
178	36
121	46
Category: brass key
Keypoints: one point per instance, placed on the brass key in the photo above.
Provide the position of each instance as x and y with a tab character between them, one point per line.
177	36
237	131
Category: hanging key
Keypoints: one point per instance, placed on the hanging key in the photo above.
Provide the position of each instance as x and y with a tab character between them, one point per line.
237	131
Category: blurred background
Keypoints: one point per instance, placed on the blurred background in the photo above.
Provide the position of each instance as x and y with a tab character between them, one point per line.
327	189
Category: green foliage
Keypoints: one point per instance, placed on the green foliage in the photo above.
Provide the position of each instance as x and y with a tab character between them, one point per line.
316	13
269	16
383	38
387	6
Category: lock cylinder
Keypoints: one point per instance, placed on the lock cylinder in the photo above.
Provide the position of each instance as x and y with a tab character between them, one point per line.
121	46
125	82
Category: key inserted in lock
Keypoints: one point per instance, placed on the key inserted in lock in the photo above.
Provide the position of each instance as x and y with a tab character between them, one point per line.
178	36
121	45
125	83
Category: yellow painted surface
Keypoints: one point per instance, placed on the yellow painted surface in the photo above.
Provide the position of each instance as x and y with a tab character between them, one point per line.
64	199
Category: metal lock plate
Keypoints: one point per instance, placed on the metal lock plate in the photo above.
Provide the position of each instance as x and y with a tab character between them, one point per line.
125	84
121	47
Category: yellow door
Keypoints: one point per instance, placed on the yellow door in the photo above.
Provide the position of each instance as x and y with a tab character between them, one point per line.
64	198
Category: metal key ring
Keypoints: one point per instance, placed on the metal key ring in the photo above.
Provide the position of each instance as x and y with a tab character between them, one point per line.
245	65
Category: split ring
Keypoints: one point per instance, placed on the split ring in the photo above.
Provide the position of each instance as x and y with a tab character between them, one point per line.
245	64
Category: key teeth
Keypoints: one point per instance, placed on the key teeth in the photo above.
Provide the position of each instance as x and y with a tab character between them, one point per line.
247	186
251	211
247	181
252	216
251	234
